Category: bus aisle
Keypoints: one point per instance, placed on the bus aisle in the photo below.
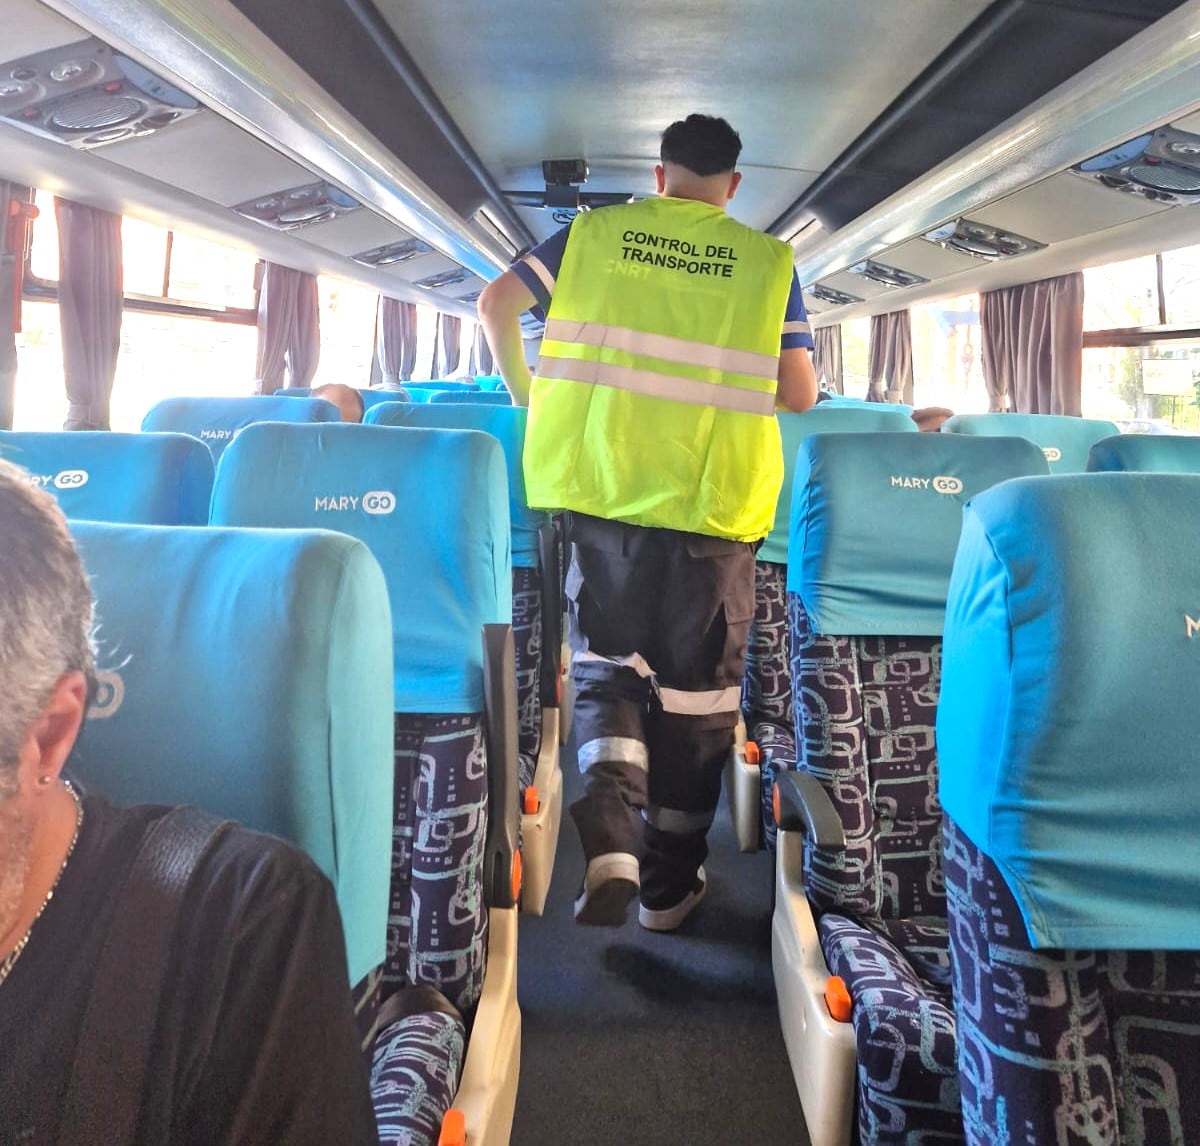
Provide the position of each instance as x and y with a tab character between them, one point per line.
632	1038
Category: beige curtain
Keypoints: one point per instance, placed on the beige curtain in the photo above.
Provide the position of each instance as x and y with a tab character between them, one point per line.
397	344
1032	339
889	358
447	351
90	301
827	357
482	361
289	329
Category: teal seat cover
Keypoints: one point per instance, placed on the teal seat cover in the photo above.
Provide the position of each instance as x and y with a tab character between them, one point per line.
371	396
833	401
824	418
507	425
1065	440
432	506
489	381
478	397
1148	453
1070	709
248	672
875	522
138	479
215	421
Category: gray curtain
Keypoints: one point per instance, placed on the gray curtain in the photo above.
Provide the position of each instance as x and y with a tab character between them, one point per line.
289	329
446	346
1032	339
889	358
397	346
827	357
90	301
482	361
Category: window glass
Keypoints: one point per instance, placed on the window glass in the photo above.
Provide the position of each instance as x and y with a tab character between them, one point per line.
1181	285
347	332
856	337
144	256
44	248
211	274
40	401
426	336
947	363
1149	389
1121	294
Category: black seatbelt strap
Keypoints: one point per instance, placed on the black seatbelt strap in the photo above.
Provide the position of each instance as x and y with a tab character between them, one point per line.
104	1097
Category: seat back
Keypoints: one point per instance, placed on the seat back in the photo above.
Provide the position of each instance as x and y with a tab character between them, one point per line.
215	421
1146	453
1064	440
246	672
137	479
371	396
489	381
475	397
1068	732
506	424
875	522
767	686
432	505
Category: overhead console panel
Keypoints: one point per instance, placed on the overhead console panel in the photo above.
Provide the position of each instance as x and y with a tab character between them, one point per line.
86	95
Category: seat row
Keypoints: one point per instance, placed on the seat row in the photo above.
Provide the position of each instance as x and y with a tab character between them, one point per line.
975	908
255	671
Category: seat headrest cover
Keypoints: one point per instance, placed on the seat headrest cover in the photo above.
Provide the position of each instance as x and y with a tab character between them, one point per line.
370	396
249	672
441	384
833	401
139	479
489	381
215	421
1069	716
432	506
479	397
825	418
1147	453
506	424
875	522
1064	440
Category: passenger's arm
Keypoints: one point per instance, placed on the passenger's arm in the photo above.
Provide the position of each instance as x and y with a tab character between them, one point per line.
501	305
797	389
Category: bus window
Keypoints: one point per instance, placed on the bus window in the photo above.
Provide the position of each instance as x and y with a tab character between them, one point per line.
947	364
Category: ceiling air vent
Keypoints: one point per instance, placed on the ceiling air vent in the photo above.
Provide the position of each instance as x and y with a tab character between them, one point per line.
981	240
830	295
1162	165
444	279
298	206
885	275
87	95
392	253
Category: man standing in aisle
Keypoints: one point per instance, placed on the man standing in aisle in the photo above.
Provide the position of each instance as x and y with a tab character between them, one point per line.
672	334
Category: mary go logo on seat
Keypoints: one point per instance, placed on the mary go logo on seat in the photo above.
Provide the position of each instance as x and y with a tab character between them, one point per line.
64	479
1192	625
110	695
942	483
1053	453
375	502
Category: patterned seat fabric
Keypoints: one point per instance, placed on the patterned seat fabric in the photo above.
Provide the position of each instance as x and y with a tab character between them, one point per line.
767	687
527	639
904	1029
865	710
1066	1046
437	921
414	1075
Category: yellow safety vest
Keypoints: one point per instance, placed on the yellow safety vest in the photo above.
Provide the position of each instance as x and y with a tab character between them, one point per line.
653	401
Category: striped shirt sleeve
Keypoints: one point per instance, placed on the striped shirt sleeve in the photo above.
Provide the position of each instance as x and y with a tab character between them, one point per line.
539	268
796	329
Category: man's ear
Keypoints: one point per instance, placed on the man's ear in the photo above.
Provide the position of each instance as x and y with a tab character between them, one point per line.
55	730
734	180
660	179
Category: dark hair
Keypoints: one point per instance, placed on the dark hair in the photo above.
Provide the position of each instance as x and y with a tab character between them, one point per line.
704	144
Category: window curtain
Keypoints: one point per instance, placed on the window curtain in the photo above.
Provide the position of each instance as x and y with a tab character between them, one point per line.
90	301
1032	338
446	346
289	329
482	361
397	344
827	357
889	358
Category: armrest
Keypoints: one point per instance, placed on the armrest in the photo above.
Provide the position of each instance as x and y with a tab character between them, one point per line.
803	805
550	554
500	873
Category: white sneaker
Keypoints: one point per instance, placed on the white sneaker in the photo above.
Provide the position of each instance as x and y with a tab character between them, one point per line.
610	882
669	918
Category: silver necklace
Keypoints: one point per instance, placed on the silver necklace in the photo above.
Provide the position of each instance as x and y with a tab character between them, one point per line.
11	958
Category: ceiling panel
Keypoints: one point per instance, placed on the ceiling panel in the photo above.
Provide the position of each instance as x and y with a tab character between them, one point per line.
926	259
353	232
535	81
1063	207
30	27
855	285
1189	123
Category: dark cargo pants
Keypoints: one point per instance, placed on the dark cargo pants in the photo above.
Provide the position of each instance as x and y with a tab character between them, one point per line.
659	625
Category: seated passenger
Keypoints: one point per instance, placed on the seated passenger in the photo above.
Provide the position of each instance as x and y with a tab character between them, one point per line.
348	400
245	1031
930	418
